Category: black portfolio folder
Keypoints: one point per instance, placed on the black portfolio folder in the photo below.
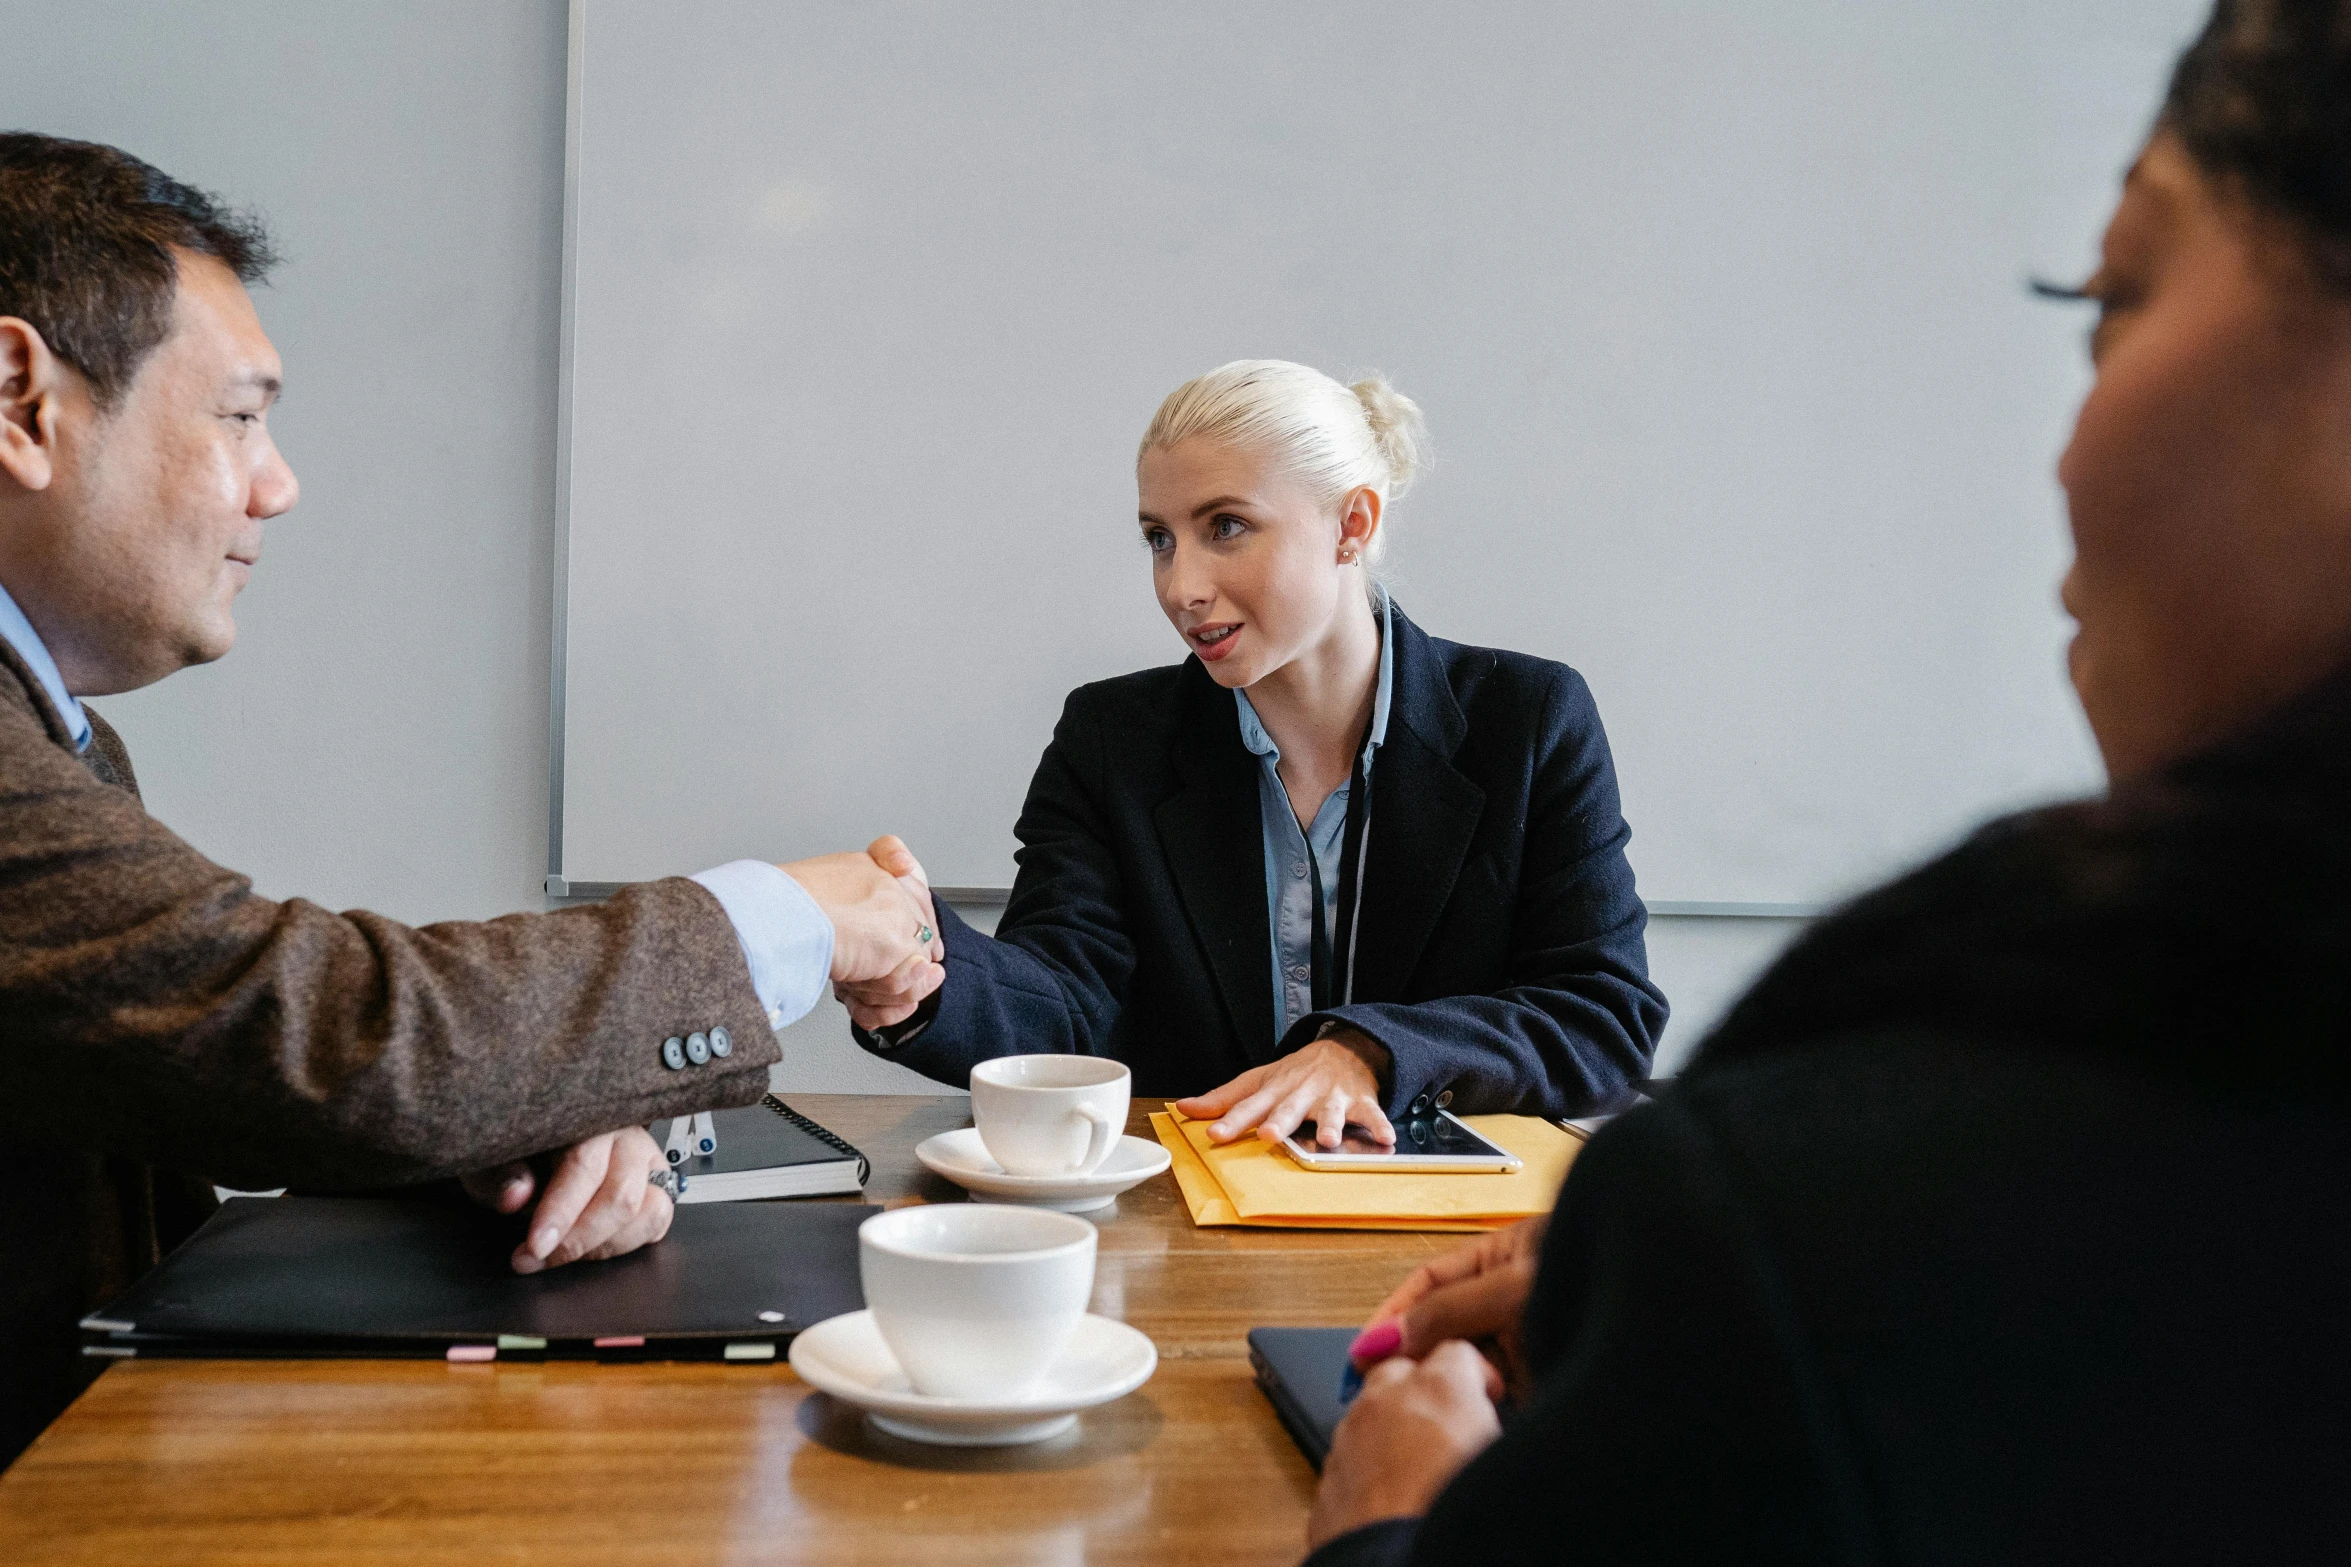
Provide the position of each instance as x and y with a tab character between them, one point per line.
1301	1371
375	1276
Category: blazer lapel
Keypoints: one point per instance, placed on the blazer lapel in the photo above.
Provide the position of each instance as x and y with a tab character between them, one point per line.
1424	815
1215	844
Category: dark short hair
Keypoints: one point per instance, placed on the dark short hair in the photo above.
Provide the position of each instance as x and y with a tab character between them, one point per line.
86	237
2262	100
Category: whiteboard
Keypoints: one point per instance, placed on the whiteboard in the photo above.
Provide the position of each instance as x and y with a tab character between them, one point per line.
1716	310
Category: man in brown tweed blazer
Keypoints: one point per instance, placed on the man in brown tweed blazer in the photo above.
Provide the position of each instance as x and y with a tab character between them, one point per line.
161	1026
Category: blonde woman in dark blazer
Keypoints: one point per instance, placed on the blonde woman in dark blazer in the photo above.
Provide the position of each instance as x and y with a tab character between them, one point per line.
1329	869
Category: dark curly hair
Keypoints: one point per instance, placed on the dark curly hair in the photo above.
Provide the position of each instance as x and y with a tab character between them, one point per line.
2262	100
86	238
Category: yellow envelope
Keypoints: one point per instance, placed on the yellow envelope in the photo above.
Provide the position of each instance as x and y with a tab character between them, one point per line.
1253	1183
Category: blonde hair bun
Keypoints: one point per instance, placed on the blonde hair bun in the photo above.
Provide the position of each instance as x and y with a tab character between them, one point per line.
1334	437
1398	428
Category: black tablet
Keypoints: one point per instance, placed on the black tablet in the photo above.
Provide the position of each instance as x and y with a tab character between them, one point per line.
1302	1371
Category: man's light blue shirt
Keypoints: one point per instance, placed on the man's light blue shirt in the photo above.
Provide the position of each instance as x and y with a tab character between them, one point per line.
785	937
1299	864
29	647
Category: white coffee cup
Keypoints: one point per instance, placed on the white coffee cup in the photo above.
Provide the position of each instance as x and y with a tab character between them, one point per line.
976	1299
1050	1115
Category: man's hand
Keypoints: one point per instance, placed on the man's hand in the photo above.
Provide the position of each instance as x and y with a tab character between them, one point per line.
599	1201
1405	1437
1333	1081
881	931
1476	1292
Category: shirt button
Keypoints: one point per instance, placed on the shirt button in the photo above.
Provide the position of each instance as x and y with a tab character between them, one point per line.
1300	971
698	1048
722	1044
1298	869
673	1053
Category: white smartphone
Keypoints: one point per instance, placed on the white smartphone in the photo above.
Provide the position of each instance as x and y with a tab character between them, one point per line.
1436	1142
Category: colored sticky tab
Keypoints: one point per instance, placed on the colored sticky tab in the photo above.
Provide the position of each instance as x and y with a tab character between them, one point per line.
520	1341
751	1352
468	1353
622	1341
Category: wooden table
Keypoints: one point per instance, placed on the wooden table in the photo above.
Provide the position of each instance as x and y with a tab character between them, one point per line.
417	1462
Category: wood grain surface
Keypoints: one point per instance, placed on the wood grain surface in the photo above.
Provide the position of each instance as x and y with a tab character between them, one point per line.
269	1462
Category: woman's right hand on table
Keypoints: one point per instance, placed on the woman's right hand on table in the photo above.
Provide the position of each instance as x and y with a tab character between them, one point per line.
1476	1292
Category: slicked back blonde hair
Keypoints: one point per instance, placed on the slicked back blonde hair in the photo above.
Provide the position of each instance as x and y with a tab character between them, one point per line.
1331	437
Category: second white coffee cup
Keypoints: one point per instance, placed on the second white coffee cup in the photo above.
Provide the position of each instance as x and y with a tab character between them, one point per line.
975	1299
1050	1115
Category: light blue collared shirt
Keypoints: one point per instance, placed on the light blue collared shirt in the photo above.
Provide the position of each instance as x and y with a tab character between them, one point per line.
28	645
1297	861
786	939
785	936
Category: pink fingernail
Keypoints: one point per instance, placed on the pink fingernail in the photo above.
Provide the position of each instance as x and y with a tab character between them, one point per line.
1376	1343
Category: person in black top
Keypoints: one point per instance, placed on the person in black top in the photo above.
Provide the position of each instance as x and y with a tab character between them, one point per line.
2008	1219
1329	868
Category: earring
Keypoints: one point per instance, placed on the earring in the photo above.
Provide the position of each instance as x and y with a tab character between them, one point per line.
1347	555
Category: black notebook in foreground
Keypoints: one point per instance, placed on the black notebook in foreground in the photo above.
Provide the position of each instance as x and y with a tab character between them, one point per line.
391	1276
769	1150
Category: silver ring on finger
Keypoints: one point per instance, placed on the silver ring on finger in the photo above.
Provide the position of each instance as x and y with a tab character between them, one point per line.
669	1181
923	936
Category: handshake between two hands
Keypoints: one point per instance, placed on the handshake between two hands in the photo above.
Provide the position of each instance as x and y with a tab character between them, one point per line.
887	955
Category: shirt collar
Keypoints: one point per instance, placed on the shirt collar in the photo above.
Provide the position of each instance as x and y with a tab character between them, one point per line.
1260	743
21	636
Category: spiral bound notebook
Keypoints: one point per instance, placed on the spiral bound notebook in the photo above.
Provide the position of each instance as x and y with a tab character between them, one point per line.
770	1150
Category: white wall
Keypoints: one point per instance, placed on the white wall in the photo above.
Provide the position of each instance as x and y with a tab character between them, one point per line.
379	736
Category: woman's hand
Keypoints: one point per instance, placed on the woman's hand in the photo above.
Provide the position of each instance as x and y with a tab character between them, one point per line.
599	1201
1403	1440
893	998
1476	1292
1332	1081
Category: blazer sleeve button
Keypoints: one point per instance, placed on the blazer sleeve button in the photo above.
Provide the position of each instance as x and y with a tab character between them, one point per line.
698	1048
1420	1106
1444	1098
673	1053
722	1044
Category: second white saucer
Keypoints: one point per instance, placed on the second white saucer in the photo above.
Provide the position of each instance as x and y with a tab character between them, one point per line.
847	1357
963	1159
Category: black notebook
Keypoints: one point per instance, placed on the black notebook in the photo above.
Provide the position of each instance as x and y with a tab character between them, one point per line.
1303	1372
398	1276
769	1150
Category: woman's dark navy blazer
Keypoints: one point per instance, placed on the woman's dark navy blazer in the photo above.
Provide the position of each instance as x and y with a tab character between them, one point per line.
1500	955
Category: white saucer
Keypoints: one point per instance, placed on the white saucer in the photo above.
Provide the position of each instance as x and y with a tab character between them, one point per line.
963	1159
846	1357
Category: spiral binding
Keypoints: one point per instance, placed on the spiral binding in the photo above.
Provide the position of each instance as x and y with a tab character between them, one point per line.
821	1134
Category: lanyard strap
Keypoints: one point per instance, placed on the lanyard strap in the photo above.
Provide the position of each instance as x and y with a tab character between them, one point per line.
1334	952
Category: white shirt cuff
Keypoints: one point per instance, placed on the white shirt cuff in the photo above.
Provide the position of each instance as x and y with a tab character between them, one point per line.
785	936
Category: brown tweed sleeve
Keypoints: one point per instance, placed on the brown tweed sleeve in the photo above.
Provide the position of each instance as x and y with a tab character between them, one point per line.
180	1019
